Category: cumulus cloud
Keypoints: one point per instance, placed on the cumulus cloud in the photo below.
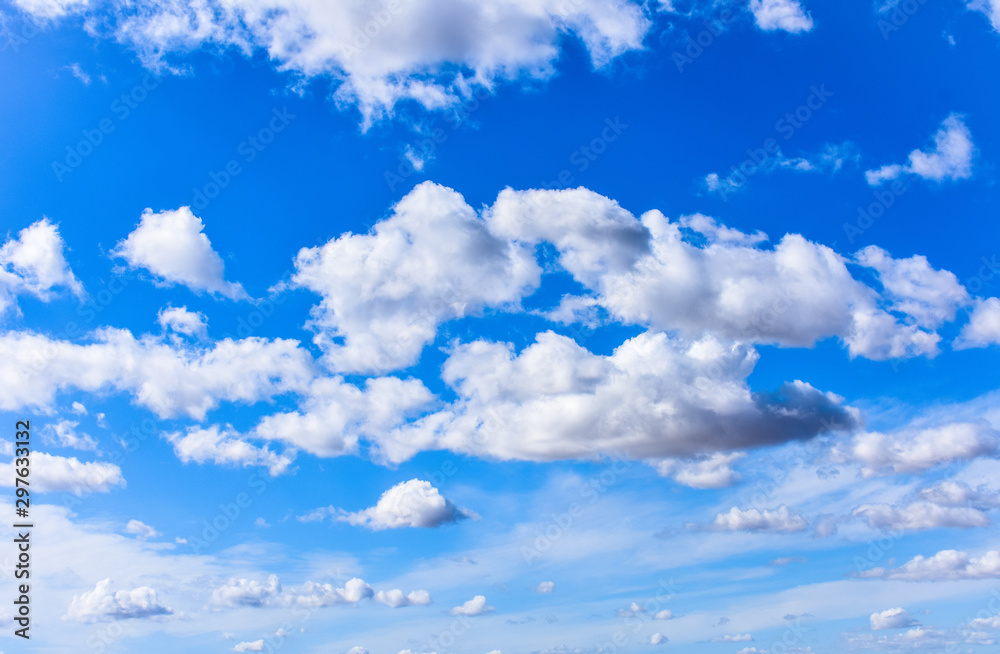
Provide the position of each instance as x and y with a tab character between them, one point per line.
897	618
991	8
64	434
475	606
52	473
712	471
101	604
250	592
983	328
385	293
167	378
426	51
250	646
545	587
658	639
787	15
951	158
172	246
915	450
955	493
946	565
655	396
34	264
182	321
919	516
395	598
777	520
140	529
413	503
927	296
333	414
223	445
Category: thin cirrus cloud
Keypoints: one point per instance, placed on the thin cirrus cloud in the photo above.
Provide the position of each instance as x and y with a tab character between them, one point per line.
950	158
173	247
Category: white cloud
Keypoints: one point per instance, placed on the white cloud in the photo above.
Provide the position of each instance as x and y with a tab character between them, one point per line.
653	397
182	321
79	409
432	52
357	650
140	529
64	434
169	379
983	328
333	414
385	293
989	7
475	606
395	598
545	587
658	639
950	159
915	450
946	565
51	9
413	503
897	618
734	638
918	639
787	15
101	604
250	592
665	614
171	245
919	516
955	493
250	646
224	446
712	471
34	264
79	73
930	297
992	622
51	473
777	520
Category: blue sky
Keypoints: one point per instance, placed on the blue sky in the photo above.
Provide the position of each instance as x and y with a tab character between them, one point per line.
538	326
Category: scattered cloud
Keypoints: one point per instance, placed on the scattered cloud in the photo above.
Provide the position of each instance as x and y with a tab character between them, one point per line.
787	15
951	158
897	618
475	606
777	520
101	605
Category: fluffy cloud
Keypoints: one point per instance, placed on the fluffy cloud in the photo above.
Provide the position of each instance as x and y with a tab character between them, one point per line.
64	434
920	515
989	7
34	264
182	321
333	415
395	598
545	587
778	520
955	493
250	646
413	503
431	52
929	297
140	529
983	328
224	446
916	450
51	473
169	379
655	396
950	159
385	293
171	245
946	565
101	604
787	15
475	606
712	471
897	618
250	592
